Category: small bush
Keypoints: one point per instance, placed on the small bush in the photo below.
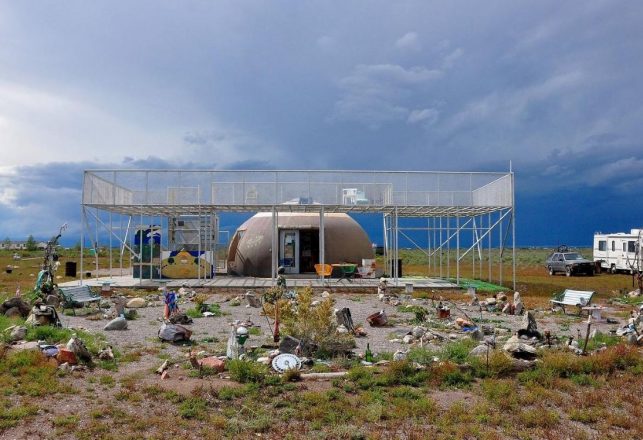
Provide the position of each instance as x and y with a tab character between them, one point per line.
458	351
247	372
193	408
292	375
421	355
403	373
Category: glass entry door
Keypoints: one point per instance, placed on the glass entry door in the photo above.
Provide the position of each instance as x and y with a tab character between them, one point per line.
289	250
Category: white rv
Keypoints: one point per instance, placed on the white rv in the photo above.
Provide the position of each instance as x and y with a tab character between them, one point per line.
619	252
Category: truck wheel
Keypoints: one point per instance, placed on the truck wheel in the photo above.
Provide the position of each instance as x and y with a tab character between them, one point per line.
612	269
568	271
550	270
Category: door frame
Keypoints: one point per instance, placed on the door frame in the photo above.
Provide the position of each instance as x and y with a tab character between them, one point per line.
282	236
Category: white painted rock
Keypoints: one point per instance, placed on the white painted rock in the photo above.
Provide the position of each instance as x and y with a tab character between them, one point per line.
408	339
135	303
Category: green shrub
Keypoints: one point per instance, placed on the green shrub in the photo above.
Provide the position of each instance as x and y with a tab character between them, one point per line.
247	372
193	408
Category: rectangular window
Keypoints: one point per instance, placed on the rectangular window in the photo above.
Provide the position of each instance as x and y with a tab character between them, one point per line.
624	246
602	245
613	245
631	246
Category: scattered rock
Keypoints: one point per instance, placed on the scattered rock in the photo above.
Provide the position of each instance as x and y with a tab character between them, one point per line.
529	327
491	301
518	305
165	375
290	345
253	300
163	367
77	346
399	355
119	323
66	356
408	339
106	354
501	297
418	332
119	305
325	294
264	360
18	334
377	319
476	335
480	350
181	318
519	350
135	303
341	329
212	362
174	333
52	300
15	307
31	345
487	329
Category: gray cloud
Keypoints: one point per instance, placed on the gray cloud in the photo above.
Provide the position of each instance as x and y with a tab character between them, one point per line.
552	86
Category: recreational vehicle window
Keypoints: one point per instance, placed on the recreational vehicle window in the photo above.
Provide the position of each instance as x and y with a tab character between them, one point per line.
624	246
631	246
602	245
613	245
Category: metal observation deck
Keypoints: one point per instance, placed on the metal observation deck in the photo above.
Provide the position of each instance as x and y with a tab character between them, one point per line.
454	203
418	194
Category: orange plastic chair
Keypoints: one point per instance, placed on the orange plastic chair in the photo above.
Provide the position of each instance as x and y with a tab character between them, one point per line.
324	270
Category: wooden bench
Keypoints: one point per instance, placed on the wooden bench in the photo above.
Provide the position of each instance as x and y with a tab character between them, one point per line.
578	298
78	294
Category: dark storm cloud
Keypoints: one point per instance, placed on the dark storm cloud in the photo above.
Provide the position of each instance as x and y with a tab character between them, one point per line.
448	85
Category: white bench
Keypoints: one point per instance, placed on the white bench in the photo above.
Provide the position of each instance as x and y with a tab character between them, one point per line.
78	294
578	298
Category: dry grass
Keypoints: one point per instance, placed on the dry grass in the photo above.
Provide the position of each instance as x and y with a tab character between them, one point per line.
566	396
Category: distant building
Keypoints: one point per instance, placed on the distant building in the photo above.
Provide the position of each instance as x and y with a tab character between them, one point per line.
21	245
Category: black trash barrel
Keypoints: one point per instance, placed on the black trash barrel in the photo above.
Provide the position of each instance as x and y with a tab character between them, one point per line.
70	269
399	267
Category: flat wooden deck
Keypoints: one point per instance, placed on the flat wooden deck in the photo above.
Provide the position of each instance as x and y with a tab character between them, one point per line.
252	282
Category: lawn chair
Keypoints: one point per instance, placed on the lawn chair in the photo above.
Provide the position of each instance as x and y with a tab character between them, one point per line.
325	271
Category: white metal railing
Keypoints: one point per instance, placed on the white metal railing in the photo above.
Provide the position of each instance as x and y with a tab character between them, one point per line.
270	188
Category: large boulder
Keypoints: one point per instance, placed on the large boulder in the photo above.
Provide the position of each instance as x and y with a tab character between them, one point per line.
18	334
174	333
136	303
15	307
118	323
518	349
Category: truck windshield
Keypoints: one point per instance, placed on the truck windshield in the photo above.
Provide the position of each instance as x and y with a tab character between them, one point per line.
573	256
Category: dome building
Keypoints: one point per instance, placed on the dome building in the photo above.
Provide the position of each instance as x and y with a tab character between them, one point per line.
250	250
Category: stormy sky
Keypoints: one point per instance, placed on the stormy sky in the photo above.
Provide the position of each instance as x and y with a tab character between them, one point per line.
554	87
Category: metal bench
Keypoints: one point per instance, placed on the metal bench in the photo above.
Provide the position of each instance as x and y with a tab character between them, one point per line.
78	294
578	298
